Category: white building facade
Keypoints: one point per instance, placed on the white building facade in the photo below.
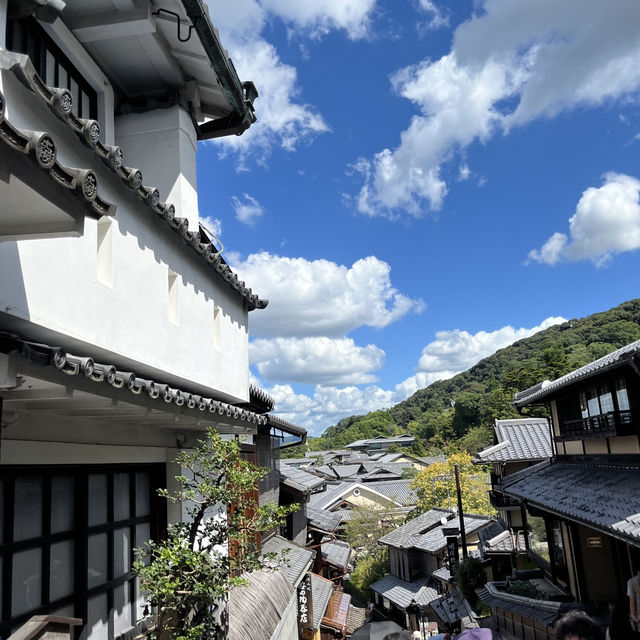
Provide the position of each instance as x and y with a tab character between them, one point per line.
123	332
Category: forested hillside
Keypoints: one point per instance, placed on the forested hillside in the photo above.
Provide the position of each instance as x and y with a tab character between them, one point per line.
461	410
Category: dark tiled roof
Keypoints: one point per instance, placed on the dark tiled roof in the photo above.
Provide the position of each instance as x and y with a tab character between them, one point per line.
403	439
327	472
401	592
450	608
321	590
298	479
41	149
346	470
546	388
544	611
126	381
603	496
336	553
59	102
296	561
521	439
327	453
404	536
327	521
429	460
425	531
397	490
326	498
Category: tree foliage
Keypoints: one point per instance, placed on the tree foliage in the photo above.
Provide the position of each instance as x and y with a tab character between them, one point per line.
435	486
368	570
367	525
186	574
448	409
470	576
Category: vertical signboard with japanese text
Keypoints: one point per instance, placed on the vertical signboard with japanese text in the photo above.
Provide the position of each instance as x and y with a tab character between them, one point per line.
305	604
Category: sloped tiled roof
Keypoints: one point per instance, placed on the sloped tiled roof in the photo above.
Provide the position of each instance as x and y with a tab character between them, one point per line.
403	536
355	618
296	561
336	553
397	490
255	610
401	592
322	519
325	498
403	439
544	611
443	573
298	479
321	590
606	497
544	389
435	540
519	440
346	470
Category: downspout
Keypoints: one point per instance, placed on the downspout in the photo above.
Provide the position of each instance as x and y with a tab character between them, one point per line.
240	95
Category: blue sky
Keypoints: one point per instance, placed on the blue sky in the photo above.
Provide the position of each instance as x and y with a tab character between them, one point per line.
427	182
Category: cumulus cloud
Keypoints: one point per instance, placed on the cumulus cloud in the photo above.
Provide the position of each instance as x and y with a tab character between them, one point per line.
606	222
318	17
512	62
284	120
317	360
322	298
457	350
213	225
437	18
450	353
247	210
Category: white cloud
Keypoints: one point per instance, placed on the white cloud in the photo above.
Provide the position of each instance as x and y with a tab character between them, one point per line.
247	211
512	62
457	350
316	360
213	225
318	17
606	222
437	18
322	298
450	353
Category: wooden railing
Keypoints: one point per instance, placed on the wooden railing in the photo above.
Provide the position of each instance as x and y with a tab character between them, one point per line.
46	628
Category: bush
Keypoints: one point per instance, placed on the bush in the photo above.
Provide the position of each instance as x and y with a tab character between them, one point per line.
470	576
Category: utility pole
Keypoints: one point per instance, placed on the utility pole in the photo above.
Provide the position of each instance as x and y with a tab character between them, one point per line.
463	536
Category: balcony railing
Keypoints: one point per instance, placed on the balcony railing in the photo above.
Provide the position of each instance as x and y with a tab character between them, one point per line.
608	424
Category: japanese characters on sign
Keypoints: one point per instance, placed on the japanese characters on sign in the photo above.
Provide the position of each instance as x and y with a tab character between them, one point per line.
305	605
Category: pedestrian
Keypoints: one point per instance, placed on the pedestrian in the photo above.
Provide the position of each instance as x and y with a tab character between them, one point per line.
577	625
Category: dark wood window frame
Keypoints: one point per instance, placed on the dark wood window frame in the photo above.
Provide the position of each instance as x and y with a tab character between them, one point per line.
79	535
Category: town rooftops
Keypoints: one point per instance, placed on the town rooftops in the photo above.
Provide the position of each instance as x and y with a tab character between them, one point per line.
403	593
450	608
425	532
402	439
321	590
519	440
601	496
547	388
336	553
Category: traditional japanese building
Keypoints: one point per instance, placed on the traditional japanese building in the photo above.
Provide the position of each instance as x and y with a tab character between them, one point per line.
123	331
583	504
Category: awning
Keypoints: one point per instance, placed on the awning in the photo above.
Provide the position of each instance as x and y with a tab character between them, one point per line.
337	611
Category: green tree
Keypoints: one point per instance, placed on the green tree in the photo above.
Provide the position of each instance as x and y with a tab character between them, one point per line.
187	573
369	569
470	576
367	525
436	485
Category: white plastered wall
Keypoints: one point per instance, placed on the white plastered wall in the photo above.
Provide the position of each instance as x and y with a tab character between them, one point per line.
53	283
162	144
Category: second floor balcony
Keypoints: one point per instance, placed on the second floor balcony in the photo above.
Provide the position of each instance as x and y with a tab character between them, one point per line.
612	423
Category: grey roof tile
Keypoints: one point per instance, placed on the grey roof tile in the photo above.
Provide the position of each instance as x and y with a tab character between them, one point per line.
336	553
520	439
402	439
602	496
403	536
321	590
296	561
401	592
323	520
298	479
542	390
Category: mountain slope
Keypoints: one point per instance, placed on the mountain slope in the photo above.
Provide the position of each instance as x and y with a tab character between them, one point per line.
464	407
